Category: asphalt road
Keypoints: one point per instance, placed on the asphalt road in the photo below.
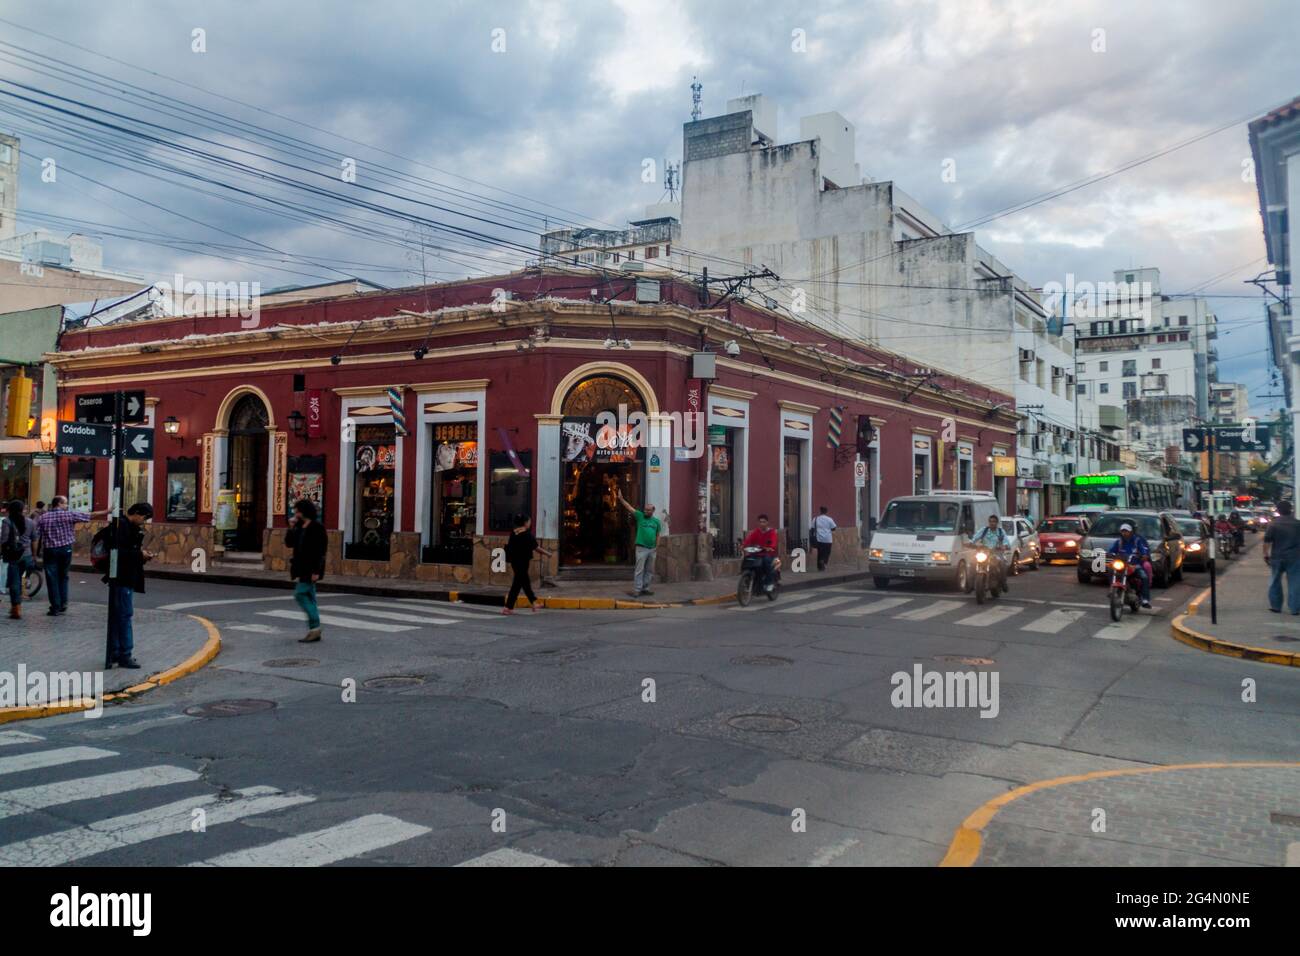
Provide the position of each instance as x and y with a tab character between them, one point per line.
425	733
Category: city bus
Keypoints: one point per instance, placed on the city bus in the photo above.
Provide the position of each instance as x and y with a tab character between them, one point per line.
1217	502
1123	489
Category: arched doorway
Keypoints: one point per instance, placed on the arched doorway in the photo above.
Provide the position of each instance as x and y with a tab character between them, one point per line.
249	451
594	528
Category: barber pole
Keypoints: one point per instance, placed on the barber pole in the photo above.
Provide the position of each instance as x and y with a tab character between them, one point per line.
399	414
835	426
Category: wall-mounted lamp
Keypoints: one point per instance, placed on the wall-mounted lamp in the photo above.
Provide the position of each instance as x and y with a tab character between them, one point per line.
172	427
49	429
297	422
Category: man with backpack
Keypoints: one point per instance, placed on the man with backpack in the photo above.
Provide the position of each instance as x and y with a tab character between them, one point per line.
123	586
16	536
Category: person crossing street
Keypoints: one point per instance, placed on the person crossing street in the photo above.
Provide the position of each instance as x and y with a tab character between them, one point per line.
309	542
823	537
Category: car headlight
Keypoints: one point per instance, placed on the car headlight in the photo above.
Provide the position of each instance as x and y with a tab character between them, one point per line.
877	552
940	556
1194	546
1071	544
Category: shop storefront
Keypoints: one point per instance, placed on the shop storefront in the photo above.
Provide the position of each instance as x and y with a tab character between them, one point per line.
15	477
728	466
921	467
374	488
455	491
599	461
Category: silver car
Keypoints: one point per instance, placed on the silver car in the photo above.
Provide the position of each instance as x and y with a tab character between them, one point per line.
1026	550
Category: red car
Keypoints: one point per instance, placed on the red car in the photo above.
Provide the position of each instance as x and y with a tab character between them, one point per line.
1060	537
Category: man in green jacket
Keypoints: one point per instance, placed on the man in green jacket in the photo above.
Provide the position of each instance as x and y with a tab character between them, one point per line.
648	528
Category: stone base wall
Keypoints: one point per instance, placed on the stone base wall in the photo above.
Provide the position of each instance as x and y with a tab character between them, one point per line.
172	543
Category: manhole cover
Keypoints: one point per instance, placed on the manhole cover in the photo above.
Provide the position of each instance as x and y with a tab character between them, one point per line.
764	723
393	683
1286	637
230	708
762	660
968	661
291	662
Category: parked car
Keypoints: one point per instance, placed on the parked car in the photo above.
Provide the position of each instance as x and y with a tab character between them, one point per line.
1157	527
1025	547
1061	536
1196	543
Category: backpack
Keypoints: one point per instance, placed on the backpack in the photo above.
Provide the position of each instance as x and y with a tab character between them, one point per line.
10	549
99	548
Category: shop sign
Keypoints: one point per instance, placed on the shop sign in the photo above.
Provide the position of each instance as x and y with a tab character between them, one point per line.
376	457
315	413
1030	483
585	440
681	454
1004	466
40	460
224	517
655	467
717	435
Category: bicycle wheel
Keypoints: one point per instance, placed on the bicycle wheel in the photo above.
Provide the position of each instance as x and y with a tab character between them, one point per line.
32	582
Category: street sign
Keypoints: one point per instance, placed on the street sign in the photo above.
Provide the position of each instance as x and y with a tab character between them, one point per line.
84	440
859	474
138	444
1227	438
98	407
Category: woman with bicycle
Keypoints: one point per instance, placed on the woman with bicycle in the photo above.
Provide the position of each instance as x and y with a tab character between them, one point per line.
16	537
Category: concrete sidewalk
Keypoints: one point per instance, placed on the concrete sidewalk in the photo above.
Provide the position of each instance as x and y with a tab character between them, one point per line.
167	644
1246	627
563	595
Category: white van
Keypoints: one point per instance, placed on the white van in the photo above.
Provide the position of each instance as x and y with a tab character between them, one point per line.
925	536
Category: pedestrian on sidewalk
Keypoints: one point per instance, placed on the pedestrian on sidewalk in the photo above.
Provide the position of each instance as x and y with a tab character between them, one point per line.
307	538
647	544
823	526
17	535
1282	555
131	559
55	532
519	554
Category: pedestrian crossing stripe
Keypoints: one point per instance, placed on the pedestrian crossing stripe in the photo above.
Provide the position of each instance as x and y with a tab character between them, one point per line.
336	620
1051	620
508	857
25	799
399	616
17	737
366	834
41	759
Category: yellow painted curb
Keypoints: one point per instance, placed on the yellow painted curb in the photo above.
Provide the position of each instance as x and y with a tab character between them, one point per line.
1205	642
967	842
210	649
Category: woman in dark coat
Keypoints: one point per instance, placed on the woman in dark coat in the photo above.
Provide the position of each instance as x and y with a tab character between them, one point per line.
519	554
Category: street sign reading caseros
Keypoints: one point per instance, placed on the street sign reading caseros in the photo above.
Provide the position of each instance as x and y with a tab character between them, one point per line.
84	439
1227	438
98	407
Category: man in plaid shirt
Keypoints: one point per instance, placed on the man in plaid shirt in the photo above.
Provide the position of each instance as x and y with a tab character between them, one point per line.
56	530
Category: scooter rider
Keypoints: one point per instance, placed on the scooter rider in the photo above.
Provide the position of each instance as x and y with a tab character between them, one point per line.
763	537
1127	545
994	538
1238	527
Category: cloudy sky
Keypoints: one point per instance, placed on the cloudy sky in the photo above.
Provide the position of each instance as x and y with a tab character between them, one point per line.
504	118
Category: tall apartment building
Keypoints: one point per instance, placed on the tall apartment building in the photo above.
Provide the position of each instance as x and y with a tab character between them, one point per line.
864	258
10	153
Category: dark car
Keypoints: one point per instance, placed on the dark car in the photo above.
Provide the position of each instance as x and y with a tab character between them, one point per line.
1159	528
1196	543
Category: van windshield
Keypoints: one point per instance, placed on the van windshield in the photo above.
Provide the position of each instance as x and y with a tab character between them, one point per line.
935	516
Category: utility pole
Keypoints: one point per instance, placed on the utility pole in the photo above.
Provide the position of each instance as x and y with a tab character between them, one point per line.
115	523
1214	538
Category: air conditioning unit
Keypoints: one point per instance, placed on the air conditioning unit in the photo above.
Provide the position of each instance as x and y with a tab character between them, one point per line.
1057	371
1026	355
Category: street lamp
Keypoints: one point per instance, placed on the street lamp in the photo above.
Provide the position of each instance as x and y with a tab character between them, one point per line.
172	427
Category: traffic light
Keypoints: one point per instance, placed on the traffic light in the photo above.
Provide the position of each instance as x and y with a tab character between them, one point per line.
18	414
865	435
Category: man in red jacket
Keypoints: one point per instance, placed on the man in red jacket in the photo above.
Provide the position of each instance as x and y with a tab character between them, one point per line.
765	538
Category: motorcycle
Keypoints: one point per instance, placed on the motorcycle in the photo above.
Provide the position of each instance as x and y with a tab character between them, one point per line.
1227	545
1124	584
751	570
989	577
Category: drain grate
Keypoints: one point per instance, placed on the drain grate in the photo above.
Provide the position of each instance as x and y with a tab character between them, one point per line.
764	723
230	708
968	661
291	662
763	660
1284	819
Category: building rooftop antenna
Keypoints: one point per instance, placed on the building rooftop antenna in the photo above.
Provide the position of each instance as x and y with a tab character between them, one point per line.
671	183
696	90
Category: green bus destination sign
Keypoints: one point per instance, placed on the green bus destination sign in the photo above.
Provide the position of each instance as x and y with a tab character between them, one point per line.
1079	480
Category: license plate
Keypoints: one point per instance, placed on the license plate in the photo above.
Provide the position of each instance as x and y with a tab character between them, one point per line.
906	573
1051	549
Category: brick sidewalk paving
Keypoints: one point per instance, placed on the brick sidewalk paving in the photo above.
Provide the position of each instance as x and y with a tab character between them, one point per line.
1220	816
74	642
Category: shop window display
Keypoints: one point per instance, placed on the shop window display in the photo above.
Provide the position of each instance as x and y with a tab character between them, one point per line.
375	476
454	515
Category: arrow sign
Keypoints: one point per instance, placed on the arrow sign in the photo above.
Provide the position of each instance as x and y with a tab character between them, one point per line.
1193	439
137	444
132	408
84	440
